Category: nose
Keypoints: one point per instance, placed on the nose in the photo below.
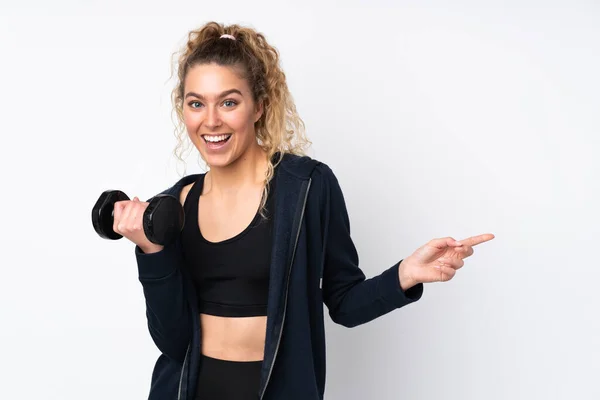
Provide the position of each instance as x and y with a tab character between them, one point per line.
213	119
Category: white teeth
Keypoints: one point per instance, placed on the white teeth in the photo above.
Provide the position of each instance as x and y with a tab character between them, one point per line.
215	139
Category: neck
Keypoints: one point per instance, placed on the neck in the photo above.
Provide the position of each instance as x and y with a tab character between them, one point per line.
248	170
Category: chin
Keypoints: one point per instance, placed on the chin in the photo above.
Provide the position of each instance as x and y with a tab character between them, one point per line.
222	160
218	160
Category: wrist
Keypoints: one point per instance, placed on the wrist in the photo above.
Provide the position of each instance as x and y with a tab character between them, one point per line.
406	280
150	248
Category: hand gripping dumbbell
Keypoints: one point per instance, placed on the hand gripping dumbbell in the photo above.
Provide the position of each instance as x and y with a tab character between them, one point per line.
163	218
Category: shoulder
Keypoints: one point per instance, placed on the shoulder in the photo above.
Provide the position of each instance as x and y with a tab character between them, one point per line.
182	187
184	192
324	185
306	167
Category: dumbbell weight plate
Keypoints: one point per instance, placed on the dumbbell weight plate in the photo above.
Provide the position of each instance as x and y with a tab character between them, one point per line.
102	213
163	219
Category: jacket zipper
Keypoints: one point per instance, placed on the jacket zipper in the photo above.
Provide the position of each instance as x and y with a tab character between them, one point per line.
183	369
287	285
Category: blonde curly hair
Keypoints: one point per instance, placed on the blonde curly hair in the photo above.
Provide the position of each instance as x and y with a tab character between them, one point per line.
280	129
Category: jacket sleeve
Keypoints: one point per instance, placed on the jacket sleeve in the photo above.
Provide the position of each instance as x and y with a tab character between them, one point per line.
166	296
351	298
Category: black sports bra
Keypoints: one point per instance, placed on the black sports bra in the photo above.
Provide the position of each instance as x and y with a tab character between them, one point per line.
231	277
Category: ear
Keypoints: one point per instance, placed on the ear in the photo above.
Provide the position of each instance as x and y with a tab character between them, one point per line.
259	111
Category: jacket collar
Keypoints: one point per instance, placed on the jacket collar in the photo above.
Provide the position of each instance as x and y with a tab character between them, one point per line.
290	166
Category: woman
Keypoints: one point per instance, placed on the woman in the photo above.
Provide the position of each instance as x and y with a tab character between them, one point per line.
235	305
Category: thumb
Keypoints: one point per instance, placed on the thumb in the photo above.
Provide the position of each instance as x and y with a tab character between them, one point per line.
117	211
444	242
434	248
118	207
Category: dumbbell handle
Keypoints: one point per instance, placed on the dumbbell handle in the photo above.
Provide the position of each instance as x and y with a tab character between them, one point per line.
163	219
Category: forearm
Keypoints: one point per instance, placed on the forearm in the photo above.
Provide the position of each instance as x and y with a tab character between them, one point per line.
371	298
167	306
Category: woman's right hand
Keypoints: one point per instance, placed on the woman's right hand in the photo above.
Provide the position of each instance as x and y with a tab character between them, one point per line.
128	222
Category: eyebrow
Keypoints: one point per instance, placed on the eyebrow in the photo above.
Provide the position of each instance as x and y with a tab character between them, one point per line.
223	94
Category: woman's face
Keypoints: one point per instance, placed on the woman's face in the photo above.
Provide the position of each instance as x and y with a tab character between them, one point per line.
219	113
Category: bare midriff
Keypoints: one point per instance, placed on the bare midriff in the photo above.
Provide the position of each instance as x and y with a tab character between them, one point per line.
233	339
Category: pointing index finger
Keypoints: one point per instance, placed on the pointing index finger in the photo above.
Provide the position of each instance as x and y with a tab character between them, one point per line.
475	240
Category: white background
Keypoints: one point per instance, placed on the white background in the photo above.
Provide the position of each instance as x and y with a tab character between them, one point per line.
439	119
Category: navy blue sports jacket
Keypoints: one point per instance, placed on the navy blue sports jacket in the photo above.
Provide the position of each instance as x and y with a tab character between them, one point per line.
314	261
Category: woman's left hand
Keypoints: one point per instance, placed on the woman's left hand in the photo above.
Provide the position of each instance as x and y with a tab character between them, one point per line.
438	260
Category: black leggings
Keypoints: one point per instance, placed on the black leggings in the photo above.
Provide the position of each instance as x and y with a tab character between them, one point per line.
228	380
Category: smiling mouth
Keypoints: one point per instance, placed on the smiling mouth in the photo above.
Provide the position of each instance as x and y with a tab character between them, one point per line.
216	139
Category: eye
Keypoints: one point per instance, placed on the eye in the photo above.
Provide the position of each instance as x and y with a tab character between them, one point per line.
192	104
229	103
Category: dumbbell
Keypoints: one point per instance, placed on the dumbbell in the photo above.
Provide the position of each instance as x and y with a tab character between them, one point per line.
162	221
